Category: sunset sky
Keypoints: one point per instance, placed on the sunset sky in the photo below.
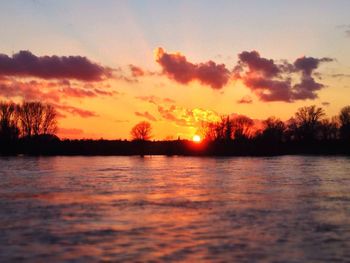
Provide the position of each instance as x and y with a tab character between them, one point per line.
107	65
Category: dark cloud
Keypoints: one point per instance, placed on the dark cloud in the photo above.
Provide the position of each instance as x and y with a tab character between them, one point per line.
26	64
255	63
272	81
146	115
326	103
269	89
268	79
308	64
306	89
176	67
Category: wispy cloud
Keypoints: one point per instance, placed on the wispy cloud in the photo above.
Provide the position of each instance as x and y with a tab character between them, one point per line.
346	29
245	100
76	111
146	115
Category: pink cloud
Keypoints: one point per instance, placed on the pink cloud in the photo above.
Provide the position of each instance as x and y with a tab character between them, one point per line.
136	71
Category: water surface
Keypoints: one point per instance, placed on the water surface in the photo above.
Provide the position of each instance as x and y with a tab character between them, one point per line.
277	209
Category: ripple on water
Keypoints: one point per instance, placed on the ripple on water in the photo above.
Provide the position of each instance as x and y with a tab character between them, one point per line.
276	209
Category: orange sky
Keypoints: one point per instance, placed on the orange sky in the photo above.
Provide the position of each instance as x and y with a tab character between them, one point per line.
175	65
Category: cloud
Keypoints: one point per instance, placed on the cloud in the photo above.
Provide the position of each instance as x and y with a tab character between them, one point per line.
271	81
71	89
267	79
26	64
154	99
75	92
146	115
340	75
346	29
186	117
255	63
76	111
245	100
49	91
175	66
32	90
308	64
326	103
136	71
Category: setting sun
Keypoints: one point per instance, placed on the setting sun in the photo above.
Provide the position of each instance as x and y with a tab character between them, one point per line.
196	138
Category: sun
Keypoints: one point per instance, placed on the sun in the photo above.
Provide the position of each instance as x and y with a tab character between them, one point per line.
196	138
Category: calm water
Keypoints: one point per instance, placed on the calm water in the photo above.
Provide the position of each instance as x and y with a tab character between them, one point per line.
279	209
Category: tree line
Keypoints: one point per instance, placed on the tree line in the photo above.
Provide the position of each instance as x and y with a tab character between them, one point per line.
30	127
309	124
25	120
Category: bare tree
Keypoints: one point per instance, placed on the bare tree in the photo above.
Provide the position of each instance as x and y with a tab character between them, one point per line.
307	120
329	129
274	129
8	121
141	131
37	118
228	128
344	118
49	122
242	126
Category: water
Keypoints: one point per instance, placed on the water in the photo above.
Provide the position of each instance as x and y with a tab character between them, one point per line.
278	209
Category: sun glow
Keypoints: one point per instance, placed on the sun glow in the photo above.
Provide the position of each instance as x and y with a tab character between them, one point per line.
196	138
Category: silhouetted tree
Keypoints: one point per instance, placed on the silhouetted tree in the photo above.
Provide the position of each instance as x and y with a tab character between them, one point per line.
37	118
141	131
49	122
242	126
306	122
8	122
329	129
344	118
215	131
274	130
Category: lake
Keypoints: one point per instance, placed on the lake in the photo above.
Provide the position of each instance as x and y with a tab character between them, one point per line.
237	209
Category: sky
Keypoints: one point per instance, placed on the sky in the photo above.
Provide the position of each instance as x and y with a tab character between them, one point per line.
107	65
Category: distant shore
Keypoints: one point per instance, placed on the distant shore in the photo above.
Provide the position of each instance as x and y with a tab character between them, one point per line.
50	146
